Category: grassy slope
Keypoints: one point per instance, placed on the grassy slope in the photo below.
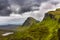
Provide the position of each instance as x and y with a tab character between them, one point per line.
45	30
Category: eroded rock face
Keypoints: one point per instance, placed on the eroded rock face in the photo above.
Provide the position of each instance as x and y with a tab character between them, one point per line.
30	21
58	9
49	15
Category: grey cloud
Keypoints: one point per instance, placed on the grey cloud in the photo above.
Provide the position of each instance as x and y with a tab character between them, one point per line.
3	4
26	4
4	11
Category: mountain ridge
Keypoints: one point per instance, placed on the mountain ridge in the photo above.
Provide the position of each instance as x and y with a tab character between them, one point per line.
30	21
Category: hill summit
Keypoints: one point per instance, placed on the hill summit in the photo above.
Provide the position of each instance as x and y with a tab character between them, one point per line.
30	21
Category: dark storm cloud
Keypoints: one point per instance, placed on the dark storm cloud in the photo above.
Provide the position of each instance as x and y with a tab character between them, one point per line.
3	4
4	11
26	4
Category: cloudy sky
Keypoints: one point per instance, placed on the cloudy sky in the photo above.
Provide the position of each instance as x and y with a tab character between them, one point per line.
17	11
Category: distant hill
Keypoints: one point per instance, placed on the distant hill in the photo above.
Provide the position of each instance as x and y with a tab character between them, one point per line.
8	27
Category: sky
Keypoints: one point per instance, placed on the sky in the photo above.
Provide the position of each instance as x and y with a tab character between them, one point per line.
17	11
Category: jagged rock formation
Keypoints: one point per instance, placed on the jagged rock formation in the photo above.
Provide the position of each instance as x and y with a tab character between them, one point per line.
58	9
51	16
30	21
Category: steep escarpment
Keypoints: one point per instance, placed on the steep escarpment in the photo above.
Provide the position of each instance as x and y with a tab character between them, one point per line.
55	16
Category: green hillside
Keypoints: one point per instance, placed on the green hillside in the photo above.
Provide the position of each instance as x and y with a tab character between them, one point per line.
48	29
